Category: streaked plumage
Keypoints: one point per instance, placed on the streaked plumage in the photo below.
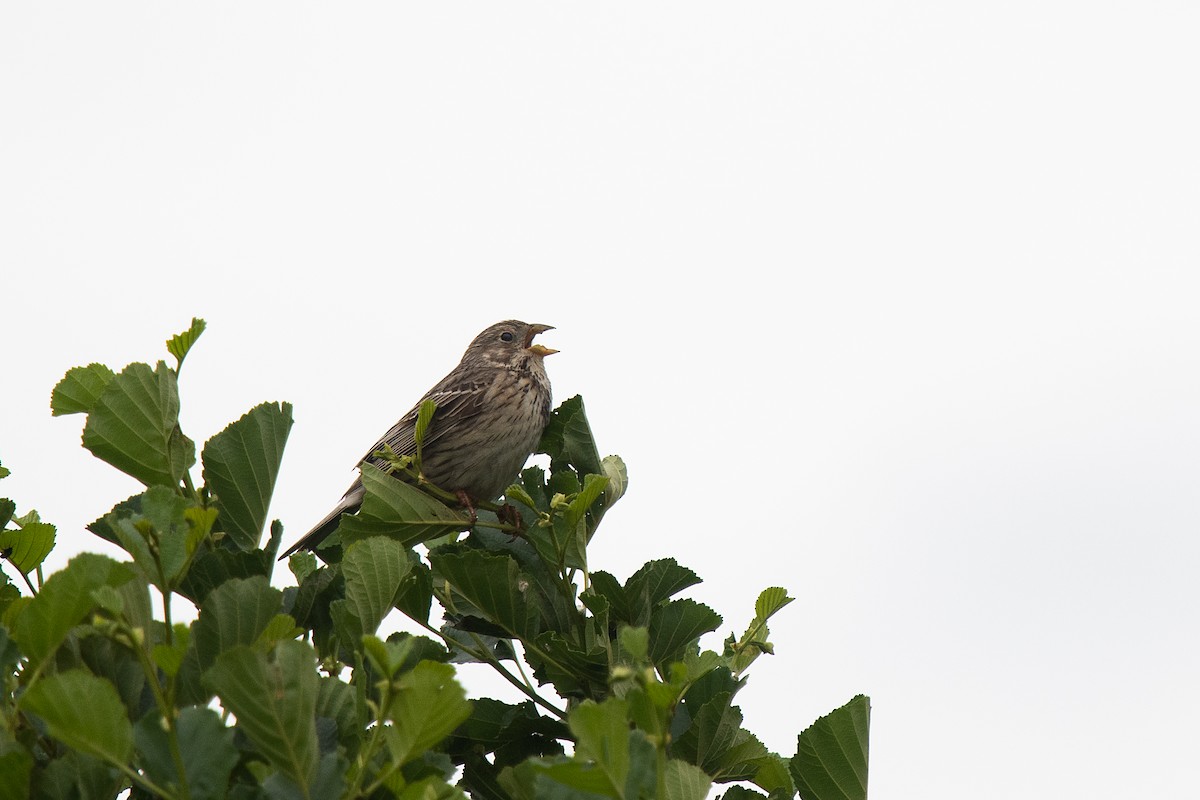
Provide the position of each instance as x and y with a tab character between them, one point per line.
491	410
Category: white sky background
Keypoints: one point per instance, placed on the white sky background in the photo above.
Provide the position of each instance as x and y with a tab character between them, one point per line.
893	305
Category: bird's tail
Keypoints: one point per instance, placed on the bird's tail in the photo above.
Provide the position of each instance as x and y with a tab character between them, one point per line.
349	503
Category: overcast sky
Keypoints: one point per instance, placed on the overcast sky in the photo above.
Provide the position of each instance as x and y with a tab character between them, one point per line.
891	304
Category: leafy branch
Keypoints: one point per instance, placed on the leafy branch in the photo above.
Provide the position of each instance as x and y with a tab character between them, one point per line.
292	693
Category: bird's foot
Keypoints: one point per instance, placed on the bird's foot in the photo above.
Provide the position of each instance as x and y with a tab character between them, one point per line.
511	516
465	499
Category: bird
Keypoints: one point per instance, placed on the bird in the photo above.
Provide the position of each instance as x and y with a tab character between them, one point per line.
490	413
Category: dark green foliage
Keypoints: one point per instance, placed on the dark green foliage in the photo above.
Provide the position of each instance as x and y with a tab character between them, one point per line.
289	693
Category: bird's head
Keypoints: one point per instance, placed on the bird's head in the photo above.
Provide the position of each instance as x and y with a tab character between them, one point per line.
509	343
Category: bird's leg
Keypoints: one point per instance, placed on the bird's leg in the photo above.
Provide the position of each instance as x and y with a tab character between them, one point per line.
465	499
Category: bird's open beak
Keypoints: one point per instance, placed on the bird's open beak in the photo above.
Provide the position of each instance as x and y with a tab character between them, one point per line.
538	349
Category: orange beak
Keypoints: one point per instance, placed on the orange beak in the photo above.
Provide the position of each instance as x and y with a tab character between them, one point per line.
538	349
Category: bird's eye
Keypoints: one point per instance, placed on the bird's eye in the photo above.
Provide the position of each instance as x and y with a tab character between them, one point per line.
506	337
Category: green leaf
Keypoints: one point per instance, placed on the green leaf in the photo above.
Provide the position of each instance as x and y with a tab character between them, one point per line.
395	509
156	535
635	642
601	731
302	564
677	625
770	600
75	775
512	732
281	626
684	781
427	707
179	344
64	600
415	597
115	663
207	750
10	655
28	547
656	582
755	640
606	586
610	759
109	599
211	568
168	658
618	479
568	438
79	389
7	509
742	793
401	652
235	613
711	732
373	569
575	670
241	464
16	767
83	712
772	774
102	527
134	425
310	605
327	782
4	472
715	741
338	702
491	582
593	489
275	703
831	754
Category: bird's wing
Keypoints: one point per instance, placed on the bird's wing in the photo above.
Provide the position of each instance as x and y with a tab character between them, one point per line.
456	405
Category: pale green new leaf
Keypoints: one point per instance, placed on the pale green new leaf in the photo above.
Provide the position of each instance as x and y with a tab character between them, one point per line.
593	489
27	547
424	417
179	344
771	600
618	479
755	640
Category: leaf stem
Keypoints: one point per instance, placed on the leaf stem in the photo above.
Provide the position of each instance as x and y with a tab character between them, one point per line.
29	583
484	654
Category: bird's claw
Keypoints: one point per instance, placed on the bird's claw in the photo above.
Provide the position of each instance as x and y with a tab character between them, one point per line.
509	514
465	499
